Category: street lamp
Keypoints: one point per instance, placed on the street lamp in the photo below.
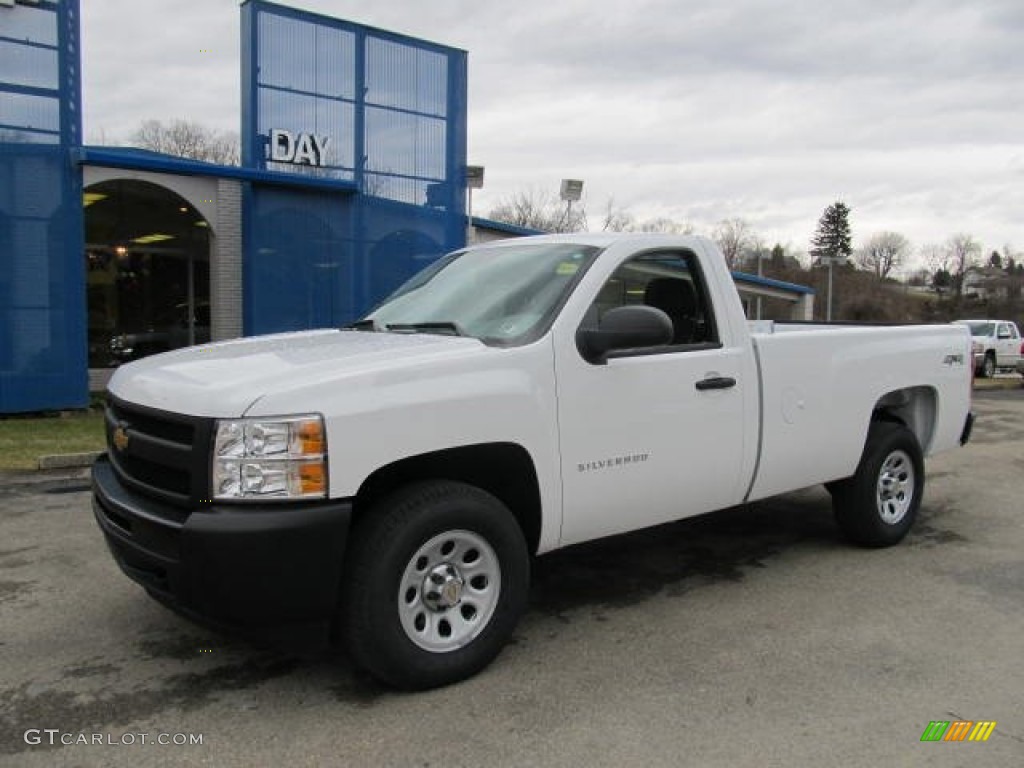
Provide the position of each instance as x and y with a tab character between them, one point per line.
831	261
571	191
474	180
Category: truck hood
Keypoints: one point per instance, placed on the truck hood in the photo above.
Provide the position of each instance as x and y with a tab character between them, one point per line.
226	379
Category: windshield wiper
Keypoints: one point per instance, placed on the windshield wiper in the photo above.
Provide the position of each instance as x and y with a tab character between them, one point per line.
365	324
440	326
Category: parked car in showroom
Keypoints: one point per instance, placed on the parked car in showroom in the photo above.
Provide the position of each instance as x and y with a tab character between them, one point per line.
172	333
996	345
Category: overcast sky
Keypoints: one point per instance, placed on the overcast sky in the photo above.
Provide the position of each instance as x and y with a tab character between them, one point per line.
910	112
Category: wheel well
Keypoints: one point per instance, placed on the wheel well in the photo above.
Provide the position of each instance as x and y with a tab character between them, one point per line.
505	470
913	407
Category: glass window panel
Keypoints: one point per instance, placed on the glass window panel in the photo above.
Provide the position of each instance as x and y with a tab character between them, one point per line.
24	111
306	57
335	63
286	52
405	144
25	65
401	76
33	24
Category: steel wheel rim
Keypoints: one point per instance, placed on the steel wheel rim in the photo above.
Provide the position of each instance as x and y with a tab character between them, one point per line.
449	591
895	490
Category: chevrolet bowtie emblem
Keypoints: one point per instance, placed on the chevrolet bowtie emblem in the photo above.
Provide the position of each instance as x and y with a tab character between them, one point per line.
120	438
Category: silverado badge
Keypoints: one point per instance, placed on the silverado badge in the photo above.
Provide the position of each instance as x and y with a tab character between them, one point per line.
120	438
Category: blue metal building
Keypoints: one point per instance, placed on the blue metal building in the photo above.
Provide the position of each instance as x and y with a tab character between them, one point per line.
352	178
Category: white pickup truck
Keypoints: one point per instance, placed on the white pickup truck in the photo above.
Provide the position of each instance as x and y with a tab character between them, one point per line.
386	485
996	345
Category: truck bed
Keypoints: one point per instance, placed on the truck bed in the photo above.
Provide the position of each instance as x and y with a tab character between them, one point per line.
820	384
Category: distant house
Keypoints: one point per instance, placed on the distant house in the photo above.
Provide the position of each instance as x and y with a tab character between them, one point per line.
990	283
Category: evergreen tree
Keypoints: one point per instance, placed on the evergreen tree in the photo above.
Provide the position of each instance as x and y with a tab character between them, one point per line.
832	239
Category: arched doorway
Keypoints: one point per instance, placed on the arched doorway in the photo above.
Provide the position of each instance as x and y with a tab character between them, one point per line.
147	262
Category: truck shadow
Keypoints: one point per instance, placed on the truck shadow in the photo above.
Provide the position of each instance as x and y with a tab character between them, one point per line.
675	558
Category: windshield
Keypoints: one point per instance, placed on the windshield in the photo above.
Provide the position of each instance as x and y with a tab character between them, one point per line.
981	329
503	294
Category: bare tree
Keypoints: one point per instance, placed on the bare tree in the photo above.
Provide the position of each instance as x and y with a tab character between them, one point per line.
963	251
754	254
621	220
883	253
733	236
665	225
617	219
534	209
187	139
935	256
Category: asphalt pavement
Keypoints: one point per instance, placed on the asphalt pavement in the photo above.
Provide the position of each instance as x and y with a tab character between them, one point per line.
749	637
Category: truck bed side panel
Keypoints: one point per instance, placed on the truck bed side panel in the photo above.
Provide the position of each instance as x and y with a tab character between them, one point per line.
821	386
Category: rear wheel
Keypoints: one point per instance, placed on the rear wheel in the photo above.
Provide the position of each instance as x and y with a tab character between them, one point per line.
436	580
877	506
988	368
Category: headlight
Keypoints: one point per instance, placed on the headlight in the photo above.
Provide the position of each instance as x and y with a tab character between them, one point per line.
977	347
284	458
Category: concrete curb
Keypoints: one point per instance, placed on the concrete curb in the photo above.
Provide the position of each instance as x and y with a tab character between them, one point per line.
47	479
68	460
1001	381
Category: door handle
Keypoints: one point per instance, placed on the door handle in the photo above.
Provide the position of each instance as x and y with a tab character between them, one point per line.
716	382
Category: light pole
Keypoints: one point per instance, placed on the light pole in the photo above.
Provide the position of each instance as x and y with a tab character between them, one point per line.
572	190
831	261
474	180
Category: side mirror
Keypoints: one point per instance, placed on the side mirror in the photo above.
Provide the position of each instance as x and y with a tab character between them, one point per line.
630	327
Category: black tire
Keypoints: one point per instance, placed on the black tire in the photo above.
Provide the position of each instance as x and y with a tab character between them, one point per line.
877	506
988	368
396	632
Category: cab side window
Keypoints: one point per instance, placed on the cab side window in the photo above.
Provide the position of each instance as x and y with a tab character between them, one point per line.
669	281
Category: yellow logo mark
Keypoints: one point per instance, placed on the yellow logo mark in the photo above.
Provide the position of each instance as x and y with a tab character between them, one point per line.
120	438
982	731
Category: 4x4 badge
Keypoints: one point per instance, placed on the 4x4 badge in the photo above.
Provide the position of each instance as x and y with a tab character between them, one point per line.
120	438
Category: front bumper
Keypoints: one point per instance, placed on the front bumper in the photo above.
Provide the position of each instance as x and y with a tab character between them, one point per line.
274	567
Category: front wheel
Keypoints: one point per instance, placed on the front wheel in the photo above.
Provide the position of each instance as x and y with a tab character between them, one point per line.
436	581
877	506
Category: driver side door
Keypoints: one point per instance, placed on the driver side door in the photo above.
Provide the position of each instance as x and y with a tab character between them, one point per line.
644	439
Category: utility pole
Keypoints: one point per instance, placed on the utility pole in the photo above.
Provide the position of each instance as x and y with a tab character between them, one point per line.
828	311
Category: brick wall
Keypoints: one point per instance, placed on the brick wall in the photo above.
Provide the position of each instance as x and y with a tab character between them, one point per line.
226	263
